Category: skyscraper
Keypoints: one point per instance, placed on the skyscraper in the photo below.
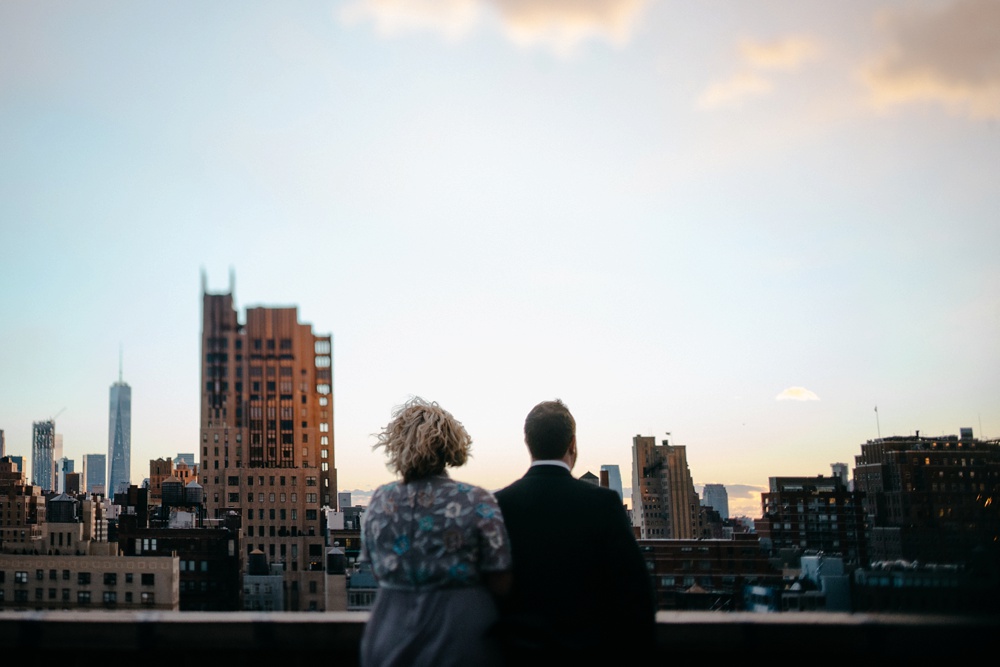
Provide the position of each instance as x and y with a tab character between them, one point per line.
716	497
43	465
267	448
95	473
120	437
614	479
664	502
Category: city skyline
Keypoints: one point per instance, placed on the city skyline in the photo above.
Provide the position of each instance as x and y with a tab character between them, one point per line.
745	224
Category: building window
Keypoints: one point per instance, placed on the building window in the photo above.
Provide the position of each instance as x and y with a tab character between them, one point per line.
148	579
147	598
83	578
83	597
110	578
110	597
128	577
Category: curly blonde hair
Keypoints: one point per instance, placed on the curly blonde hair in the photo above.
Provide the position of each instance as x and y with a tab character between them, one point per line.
422	439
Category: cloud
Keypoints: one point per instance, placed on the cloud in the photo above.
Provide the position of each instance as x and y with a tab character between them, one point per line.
756	59
736	88
784	54
796	394
452	18
951	57
560	25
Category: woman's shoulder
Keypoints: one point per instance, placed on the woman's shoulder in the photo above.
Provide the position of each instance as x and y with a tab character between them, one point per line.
474	491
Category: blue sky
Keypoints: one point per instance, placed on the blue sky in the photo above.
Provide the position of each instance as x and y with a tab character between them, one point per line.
745	224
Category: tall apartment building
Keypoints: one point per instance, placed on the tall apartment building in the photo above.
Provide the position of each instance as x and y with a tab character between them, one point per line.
119	437
716	497
267	449
814	514
664	502
95	473
932	499
43	463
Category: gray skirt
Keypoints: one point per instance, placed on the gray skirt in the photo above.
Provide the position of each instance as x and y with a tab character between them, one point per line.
447	626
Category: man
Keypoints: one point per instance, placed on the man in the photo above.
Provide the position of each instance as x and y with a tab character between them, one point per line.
581	589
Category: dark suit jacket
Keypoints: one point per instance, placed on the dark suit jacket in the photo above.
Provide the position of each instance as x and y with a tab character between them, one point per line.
581	586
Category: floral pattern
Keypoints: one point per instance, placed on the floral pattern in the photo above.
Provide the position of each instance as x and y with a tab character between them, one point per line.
434	532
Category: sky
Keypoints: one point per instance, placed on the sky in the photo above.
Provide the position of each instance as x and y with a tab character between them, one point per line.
766	231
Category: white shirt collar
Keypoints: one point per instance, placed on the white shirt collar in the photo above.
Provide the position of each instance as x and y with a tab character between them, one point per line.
551	462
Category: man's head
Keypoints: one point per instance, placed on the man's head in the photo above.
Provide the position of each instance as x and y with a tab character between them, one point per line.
550	431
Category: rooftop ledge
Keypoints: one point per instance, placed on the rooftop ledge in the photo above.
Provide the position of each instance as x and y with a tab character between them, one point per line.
336	634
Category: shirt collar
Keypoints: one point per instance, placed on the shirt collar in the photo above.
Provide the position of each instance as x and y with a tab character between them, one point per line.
551	462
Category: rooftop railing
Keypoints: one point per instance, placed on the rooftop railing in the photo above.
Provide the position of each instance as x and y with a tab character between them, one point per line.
336	635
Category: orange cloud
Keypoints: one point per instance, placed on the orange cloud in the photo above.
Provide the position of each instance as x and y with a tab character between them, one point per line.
788	53
556	24
562	24
757	57
951	57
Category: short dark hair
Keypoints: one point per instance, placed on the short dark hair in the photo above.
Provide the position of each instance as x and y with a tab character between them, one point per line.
549	429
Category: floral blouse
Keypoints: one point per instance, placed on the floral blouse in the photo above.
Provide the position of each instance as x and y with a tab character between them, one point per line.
433	533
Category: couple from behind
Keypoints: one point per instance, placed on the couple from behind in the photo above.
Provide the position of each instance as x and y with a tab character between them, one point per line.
547	568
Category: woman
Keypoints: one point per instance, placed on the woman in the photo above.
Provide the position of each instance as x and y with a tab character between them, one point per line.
438	548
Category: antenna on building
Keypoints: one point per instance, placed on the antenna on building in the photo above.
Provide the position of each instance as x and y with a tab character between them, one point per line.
232	280
877	427
119	363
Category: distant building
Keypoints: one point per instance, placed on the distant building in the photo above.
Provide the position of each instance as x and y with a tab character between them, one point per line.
361	588
343	499
817	514
932	499
210	554
119	437
716	497
43	466
267	436
22	511
707	575
45	582
63	467
263	584
95	473
590	478
614	479
664	502
841	471
187	459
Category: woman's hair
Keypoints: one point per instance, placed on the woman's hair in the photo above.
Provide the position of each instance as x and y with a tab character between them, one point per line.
422	439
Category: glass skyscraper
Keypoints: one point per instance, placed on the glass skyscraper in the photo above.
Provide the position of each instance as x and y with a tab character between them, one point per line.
120	438
43	442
